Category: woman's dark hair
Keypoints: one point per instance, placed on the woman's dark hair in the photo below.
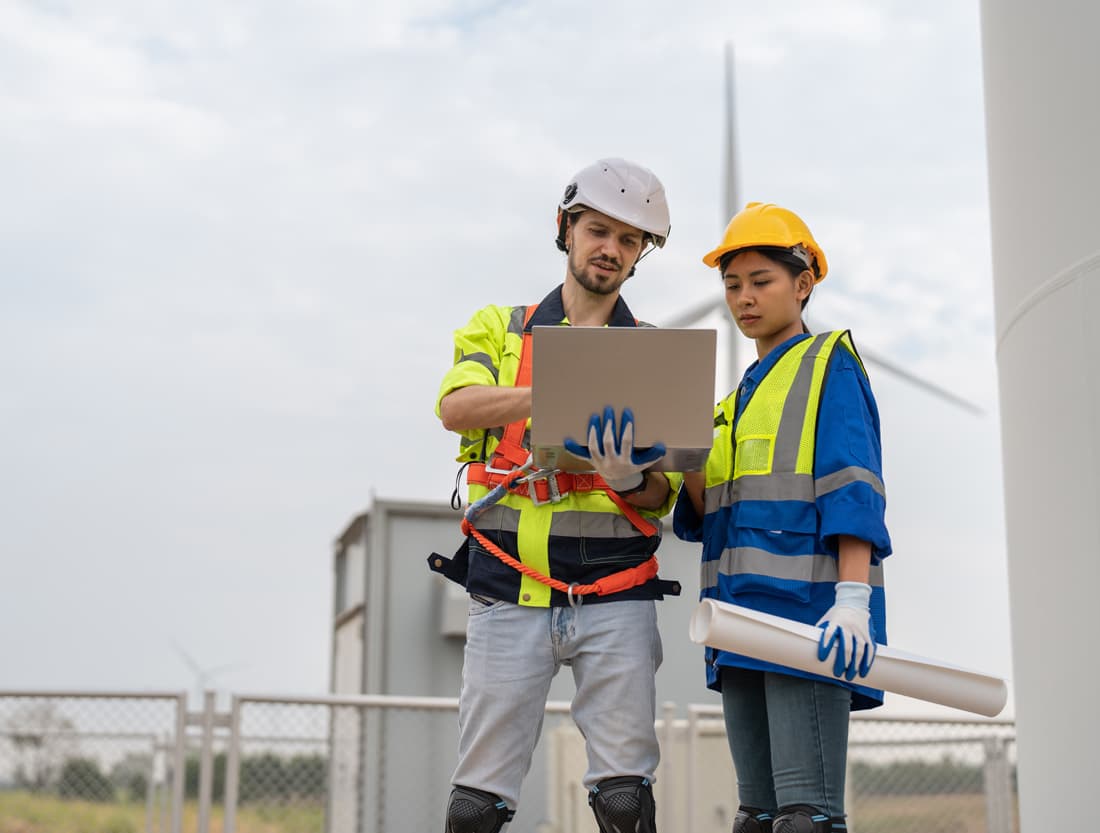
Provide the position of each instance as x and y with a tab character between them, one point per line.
784	257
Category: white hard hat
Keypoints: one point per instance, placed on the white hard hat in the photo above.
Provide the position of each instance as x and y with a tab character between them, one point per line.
622	190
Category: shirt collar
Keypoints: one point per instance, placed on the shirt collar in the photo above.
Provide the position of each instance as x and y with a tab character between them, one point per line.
551	312
759	368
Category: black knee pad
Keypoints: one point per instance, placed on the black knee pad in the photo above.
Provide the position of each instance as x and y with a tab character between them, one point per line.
476	811
624	805
801	818
752	820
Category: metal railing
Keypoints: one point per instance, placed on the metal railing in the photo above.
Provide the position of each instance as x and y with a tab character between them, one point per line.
382	764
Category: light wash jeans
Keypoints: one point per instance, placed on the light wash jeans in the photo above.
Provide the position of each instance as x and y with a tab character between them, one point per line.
789	739
513	653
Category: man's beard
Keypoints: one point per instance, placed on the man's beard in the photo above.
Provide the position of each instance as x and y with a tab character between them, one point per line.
580	273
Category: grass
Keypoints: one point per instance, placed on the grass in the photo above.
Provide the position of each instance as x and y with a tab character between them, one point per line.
22	812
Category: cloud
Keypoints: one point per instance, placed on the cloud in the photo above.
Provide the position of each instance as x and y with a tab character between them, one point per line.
235	241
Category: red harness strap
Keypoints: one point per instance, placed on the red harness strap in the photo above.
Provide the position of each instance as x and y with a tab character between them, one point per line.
510	454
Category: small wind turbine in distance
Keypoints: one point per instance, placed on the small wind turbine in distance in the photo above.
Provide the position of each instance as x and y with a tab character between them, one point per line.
203	676
731	204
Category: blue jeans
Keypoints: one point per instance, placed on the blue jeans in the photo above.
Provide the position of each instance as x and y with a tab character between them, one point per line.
513	653
789	739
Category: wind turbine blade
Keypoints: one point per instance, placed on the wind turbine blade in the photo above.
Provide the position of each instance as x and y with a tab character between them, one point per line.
929	387
693	314
186	657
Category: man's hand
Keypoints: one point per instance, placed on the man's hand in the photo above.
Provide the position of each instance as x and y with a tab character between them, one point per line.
612	450
847	629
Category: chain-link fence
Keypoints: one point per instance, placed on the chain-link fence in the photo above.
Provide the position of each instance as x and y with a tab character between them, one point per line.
127	763
925	776
98	762
362	764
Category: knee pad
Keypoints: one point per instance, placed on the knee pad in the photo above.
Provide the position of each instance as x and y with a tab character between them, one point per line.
801	818
752	820
476	811
624	805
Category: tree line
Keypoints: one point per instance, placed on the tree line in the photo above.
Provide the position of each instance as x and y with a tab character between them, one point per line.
264	777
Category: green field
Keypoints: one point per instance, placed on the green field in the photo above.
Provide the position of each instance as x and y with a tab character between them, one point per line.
22	812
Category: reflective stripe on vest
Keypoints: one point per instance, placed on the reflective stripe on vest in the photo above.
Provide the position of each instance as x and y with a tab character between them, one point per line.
772	457
809	568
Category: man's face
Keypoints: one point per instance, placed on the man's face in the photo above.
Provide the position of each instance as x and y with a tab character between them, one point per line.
602	251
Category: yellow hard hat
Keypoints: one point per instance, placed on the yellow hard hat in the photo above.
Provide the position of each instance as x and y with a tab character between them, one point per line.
765	224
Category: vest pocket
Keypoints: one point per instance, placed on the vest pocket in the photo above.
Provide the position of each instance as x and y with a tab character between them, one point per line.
753	455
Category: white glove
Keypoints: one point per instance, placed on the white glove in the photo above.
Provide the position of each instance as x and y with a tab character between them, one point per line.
612	452
847	626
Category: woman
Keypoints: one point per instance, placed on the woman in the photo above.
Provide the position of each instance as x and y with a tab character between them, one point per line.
790	511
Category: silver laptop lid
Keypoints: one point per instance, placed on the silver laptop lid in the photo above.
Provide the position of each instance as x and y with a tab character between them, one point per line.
666	376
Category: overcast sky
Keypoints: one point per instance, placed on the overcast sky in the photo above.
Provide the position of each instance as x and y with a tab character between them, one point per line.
235	240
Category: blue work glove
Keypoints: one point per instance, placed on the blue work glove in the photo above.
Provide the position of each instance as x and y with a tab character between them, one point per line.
847	629
612	451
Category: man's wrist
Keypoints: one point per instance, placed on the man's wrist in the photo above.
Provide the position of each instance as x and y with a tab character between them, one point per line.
641	486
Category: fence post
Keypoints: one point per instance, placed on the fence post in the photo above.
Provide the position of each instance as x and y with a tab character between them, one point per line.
998	786
233	767
179	753
690	775
162	785
206	761
151	787
668	778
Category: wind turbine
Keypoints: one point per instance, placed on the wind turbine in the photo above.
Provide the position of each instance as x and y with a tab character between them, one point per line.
731	203
203	676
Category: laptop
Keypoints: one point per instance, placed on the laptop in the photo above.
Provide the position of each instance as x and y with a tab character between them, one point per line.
665	376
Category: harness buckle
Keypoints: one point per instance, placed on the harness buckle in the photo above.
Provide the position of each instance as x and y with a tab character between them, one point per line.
553	492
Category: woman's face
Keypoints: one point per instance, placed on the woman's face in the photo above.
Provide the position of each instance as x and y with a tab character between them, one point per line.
765	300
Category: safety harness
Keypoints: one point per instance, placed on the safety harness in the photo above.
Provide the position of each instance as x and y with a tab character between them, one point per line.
511	471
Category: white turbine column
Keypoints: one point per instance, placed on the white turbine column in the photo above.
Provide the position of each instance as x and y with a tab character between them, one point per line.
1042	70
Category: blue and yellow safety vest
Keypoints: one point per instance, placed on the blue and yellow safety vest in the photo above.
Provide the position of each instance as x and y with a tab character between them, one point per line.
796	462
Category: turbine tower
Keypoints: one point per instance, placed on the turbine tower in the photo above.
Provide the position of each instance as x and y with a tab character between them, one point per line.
1042	115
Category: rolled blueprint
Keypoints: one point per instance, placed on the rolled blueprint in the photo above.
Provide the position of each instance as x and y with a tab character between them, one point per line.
794	644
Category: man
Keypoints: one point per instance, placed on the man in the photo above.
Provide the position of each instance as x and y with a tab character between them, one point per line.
566	533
